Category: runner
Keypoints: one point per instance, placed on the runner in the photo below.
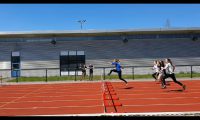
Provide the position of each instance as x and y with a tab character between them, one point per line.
169	67
118	70
155	67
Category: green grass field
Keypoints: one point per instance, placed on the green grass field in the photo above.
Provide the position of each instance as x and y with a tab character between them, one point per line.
95	78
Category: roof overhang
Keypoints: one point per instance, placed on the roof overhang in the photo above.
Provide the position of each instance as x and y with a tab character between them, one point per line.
79	33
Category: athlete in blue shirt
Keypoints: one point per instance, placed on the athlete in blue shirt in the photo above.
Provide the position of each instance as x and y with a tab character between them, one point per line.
118	70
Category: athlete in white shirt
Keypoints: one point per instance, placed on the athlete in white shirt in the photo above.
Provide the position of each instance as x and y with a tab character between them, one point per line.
155	67
169	67
161	73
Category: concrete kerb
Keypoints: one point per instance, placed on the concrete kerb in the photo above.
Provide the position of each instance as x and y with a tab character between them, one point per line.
95	81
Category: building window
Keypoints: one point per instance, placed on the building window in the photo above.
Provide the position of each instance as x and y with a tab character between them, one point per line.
70	62
15	64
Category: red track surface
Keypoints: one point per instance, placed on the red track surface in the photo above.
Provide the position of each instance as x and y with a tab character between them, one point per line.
148	97
51	99
86	98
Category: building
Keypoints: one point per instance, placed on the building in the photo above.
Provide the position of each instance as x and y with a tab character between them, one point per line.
66	50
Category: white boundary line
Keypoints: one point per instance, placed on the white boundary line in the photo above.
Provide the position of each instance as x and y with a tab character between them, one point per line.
72	81
192	113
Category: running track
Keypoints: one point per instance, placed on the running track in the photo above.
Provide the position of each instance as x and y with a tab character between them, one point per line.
87	98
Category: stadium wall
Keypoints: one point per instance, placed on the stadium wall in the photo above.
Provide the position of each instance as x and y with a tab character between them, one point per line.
134	52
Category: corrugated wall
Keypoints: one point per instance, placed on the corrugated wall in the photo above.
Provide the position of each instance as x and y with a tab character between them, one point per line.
100	52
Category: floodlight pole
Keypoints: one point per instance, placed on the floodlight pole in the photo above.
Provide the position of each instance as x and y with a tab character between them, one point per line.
81	22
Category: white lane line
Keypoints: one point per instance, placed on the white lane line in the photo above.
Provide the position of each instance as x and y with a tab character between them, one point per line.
53	107
160	98
158	93
163	105
37	95
39	101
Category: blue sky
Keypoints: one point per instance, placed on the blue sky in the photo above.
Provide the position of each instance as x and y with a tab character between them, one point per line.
33	17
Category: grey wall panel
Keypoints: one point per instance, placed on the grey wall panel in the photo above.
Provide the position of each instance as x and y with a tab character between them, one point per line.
100	52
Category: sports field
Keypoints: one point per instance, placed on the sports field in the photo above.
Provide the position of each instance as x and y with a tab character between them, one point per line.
99	98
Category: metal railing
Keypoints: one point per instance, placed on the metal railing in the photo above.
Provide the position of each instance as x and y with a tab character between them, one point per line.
47	74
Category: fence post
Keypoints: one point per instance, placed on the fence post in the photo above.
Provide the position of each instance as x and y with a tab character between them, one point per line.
133	73
46	74
191	71
75	74
1	79
17	76
104	74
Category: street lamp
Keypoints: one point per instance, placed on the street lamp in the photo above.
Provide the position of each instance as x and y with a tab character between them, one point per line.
81	22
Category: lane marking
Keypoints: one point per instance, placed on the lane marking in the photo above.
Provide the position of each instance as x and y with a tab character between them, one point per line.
53	107
41	101
161	98
163	104
160	93
190	113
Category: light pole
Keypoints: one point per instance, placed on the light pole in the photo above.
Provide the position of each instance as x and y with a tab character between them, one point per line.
81	22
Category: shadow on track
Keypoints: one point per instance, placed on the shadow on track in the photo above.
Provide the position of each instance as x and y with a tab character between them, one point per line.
178	90
128	88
